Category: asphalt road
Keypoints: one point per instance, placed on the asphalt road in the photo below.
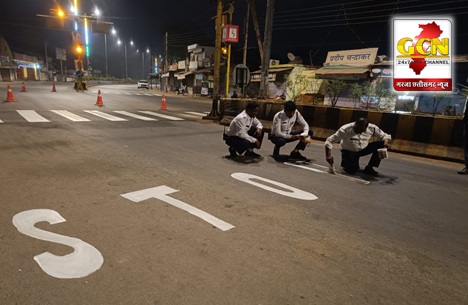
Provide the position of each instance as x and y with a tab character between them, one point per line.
151	212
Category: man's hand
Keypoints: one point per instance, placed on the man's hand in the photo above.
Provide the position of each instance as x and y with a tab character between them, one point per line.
330	160
296	137
257	144
386	143
258	132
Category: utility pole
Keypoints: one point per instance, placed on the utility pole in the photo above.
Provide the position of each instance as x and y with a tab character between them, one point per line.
46	62
267	48
166	65
228	63
217	59
246	33
257	29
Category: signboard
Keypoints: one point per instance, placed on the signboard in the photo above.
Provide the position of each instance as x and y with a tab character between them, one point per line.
61	54
241	75
257	77
181	65
353	58
230	33
422	54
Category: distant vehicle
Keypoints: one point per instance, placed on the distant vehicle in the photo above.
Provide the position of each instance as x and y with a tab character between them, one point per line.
143	83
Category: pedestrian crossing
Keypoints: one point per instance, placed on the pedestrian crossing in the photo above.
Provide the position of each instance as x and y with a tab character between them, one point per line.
127	93
33	116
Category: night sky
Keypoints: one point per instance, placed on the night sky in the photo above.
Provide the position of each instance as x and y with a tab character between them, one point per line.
308	29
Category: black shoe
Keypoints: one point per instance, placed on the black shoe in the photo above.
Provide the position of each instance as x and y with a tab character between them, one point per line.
370	171
232	152
276	152
463	171
297	156
250	153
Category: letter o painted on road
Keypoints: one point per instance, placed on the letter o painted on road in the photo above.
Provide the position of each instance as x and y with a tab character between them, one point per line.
294	192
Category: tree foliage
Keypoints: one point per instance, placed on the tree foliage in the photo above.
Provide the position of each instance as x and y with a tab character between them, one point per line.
333	89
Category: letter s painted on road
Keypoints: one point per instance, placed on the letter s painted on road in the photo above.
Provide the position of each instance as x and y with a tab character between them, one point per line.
84	260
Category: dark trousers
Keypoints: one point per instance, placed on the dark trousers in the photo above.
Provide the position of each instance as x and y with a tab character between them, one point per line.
350	159
241	145
280	141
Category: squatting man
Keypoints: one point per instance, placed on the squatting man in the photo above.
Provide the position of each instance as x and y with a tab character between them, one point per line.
354	139
282	131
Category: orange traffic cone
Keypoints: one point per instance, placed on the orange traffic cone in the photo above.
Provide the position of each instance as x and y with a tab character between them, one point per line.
10	97
23	88
99	99
53	88
163	103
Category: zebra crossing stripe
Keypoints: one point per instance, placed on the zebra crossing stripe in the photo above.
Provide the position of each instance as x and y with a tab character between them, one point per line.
197	113
140	117
32	116
105	115
172	118
70	116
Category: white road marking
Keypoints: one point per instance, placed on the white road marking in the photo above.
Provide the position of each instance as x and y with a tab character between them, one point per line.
293	192
32	116
361	181
148	94
84	260
172	118
197	113
140	117
162	192
128	93
1	121
70	116
105	115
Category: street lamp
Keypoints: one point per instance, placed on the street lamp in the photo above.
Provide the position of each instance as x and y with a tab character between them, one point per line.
143	61
125	48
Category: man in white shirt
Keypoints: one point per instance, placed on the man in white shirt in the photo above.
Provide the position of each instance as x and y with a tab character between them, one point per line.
245	133
282	131
354	138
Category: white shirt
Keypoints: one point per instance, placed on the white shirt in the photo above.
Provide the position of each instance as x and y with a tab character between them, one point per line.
282	125
355	142
241	124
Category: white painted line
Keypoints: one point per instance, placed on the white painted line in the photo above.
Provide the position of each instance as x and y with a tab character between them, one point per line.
162	192
361	181
196	113
32	116
105	115
1	121
172	118
68	115
128	93
138	94
140	117
157	94
148	94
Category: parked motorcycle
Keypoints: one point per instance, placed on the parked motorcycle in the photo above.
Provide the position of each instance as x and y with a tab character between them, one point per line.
182	90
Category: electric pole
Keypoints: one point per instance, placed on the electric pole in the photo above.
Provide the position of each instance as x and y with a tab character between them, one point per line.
246	33
217	59
267	47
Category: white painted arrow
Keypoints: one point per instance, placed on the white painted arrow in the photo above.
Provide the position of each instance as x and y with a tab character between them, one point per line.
162	192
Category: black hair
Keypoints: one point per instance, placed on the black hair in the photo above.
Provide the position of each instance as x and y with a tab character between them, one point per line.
362	121
290	106
251	106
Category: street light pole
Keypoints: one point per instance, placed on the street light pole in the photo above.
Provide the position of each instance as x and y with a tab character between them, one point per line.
143	63
126	74
105	47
